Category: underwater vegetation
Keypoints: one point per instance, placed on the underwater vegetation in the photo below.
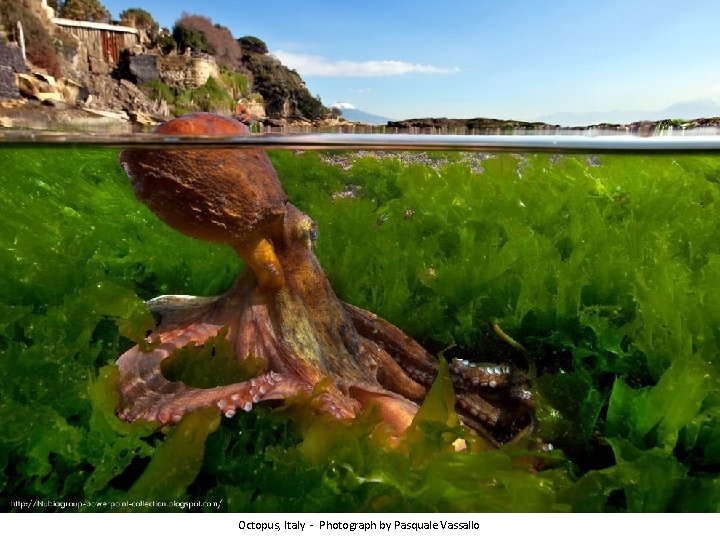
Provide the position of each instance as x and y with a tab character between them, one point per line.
604	268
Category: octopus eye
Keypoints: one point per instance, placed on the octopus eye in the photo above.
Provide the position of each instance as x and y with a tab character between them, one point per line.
306	233
313	235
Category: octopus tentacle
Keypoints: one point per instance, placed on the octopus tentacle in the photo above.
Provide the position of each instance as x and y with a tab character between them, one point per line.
467	374
168	407
415	361
392	376
408	369
142	384
395	411
477	407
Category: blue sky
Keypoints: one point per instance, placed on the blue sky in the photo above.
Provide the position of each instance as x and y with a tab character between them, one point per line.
522	59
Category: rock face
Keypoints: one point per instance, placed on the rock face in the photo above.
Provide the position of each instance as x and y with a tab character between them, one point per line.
11	56
122	95
143	68
74	62
8	88
49	90
285	94
11	62
255	109
38	86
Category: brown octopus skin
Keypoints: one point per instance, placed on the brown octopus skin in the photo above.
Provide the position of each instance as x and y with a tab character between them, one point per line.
282	308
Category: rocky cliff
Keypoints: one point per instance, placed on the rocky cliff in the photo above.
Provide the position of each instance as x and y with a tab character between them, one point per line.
284	92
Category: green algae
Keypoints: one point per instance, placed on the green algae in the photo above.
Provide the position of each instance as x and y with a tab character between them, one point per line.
176	463
605	269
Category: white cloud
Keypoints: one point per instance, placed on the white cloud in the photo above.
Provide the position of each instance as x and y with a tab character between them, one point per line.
343	105
307	64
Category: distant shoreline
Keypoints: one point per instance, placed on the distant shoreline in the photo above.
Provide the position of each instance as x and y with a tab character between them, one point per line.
481	125
29	114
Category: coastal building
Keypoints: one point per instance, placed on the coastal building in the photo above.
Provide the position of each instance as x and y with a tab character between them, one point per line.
103	41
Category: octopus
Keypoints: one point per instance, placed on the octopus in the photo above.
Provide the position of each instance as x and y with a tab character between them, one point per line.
282	308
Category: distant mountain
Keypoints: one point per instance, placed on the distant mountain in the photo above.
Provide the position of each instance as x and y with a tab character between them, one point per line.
700	108
353	114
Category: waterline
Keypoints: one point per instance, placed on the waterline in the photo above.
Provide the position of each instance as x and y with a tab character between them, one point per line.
681	144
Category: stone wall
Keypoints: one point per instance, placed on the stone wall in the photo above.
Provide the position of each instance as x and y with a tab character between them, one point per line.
188	70
202	68
11	62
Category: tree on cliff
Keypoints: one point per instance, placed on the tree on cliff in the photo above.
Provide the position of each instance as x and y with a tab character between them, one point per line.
142	20
84	10
187	38
252	45
215	39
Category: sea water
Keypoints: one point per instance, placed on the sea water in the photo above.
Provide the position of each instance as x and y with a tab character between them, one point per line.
599	254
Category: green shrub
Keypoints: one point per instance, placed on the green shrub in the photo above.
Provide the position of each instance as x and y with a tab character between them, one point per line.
159	90
211	97
237	83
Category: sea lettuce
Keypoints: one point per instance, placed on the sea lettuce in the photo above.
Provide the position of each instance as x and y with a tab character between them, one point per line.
605	268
